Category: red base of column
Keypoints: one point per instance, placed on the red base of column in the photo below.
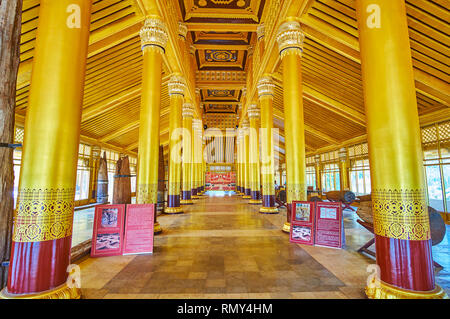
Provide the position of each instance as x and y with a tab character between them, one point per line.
405	263
38	266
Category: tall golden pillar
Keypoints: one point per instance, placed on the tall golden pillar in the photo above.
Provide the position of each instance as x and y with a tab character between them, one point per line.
246	139
239	141
42	234
265	93
318	172
401	222
202	160
188	114
202	165
153	41
93	174
177	86
343	169
290	44
195	158
255	182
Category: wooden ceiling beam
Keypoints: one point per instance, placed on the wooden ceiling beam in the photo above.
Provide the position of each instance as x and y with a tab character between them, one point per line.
313	95
110	103
123	130
221	27
221	85
237	47
99	41
20	119
348	46
113	102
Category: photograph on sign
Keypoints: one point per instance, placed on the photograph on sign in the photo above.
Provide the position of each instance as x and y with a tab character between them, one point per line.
302	222
107	237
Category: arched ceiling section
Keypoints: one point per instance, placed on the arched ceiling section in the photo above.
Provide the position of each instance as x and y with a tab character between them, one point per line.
220	35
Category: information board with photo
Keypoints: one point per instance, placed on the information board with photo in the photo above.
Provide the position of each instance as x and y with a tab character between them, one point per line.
107	235
329	224
302	222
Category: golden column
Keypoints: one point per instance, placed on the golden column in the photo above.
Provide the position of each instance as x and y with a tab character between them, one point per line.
203	177
290	44
188	114
202	164
153	41
245	137
240	162
195	159
42	234
343	169
318	172
177	86
265	93
238	167
401	222
255	182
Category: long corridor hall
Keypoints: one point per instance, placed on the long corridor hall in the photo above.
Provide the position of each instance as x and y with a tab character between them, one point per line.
223	248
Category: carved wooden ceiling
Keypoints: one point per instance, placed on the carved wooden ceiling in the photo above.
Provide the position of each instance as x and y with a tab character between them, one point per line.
222	31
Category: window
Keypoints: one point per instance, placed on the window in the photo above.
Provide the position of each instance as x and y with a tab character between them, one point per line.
17	160
436	153
360	176
311	176
133	171
83	173
111	160
331	177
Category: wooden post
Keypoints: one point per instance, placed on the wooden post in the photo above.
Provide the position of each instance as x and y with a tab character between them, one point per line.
161	176
10	17
122	182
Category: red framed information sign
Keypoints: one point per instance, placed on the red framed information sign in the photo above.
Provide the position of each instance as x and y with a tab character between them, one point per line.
139	226
329	224
302	222
107	237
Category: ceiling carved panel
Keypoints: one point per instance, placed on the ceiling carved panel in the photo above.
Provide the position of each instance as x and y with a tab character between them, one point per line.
240	11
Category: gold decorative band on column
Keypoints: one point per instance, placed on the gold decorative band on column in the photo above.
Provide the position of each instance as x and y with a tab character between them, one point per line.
43	214
154	34
401	214
290	38
260	31
381	290
296	192
147	194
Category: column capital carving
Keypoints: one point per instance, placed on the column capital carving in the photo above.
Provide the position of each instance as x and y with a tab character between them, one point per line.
253	111
188	110
317	158
342	154
265	86
245	124
192	49
154	33
182	30
290	38
250	51
260	31
177	84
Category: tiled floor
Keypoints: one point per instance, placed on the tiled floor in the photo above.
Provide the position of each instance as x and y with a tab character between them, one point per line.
223	248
